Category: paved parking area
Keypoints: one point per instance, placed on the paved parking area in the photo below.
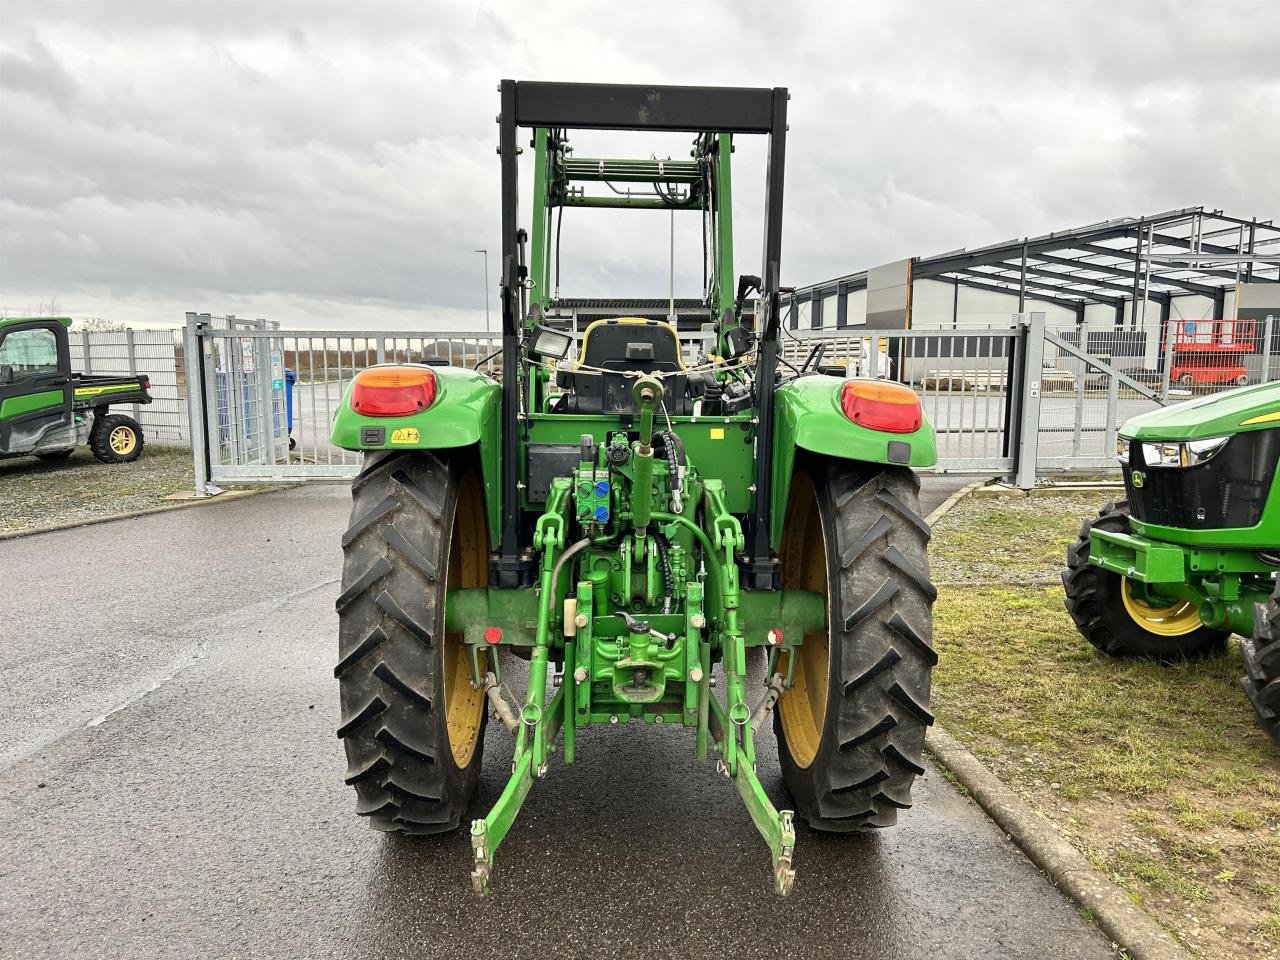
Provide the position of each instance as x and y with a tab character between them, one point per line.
170	786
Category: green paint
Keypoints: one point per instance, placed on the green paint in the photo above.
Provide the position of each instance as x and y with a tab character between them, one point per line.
723	281
636	594
466	413
540	235
15	321
1213	416
1219	570
30	403
722	447
810	418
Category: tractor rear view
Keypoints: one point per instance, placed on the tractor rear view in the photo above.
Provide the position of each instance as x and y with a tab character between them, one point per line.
634	519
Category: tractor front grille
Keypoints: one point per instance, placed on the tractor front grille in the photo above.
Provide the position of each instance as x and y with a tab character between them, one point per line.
1228	491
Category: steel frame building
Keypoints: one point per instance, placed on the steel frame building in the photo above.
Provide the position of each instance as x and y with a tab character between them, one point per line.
1187	252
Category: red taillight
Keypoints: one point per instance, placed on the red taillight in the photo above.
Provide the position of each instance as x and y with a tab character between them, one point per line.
492	634
393	391
880	405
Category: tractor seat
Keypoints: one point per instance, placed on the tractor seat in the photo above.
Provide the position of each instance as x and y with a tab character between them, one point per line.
621	346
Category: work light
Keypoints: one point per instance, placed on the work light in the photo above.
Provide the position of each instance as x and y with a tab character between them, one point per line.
1182	453
550	344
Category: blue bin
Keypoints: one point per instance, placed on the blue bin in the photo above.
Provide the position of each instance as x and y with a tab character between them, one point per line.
289	379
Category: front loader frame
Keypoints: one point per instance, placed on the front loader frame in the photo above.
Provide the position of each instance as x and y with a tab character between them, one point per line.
590	106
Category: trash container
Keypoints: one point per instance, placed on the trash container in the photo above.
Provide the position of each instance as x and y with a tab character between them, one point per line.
289	379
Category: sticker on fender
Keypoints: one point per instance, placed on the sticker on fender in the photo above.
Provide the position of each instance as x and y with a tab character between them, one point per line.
405	435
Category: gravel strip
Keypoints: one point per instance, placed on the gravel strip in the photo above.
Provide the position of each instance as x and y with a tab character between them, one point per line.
35	494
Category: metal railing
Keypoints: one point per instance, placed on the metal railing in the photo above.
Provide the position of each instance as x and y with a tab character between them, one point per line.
962	377
1018	400
267	397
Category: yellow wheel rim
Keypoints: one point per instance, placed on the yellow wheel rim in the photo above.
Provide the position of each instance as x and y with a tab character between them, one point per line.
803	708
468	567
123	440
1176	620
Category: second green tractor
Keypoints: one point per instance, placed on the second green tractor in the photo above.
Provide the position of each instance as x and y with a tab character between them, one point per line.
1191	554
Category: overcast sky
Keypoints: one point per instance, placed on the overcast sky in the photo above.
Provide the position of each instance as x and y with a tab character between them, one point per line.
333	164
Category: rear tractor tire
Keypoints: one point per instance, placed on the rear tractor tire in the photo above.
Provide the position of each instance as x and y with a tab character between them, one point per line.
1110	614
851	728
116	438
1262	664
412	724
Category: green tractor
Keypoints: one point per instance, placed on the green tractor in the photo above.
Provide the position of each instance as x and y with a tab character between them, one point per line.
1191	555
47	411
635	520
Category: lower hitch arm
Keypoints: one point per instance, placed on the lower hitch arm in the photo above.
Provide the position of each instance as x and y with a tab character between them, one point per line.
777	827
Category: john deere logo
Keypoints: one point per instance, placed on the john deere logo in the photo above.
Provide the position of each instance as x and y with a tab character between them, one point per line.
404	435
1138	479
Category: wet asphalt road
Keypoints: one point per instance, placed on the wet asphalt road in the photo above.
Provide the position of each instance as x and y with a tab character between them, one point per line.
170	786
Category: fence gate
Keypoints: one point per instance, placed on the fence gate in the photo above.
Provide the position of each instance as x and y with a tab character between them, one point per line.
261	400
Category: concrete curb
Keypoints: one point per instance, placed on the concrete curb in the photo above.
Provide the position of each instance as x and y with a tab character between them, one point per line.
1057	490
1122	920
946	505
1118	916
224	497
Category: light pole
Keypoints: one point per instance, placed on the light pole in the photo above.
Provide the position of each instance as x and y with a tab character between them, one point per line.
486	288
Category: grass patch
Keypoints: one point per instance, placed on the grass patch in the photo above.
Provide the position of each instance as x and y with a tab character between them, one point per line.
1012	540
39	494
1159	775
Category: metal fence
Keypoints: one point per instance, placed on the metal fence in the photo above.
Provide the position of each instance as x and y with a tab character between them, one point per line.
1020	399
962	378
266	397
150	352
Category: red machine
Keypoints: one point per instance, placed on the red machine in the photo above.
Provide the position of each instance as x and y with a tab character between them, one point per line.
1211	352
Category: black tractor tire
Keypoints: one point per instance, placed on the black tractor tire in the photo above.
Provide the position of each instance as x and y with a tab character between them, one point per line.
116	438
1262	664
56	456
872	550
400	554
1095	600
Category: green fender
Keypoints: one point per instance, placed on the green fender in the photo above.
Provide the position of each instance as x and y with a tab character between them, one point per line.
809	417
466	413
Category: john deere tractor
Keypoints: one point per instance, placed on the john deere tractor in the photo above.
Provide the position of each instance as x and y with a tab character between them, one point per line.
1192	553
633	518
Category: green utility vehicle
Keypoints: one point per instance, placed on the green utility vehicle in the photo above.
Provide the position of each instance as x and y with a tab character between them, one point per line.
1192	554
634	520
47	411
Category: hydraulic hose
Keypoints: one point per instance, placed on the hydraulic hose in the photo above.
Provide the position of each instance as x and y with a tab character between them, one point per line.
569	554
674	451
668	577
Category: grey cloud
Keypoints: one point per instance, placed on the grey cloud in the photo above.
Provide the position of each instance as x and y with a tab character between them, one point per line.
334	158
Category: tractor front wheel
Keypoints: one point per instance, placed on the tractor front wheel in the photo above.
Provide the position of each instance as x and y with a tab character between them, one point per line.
1262	664
115	438
412	723
851	727
1113	616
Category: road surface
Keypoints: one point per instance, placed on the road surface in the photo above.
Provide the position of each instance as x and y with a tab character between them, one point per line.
171	786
